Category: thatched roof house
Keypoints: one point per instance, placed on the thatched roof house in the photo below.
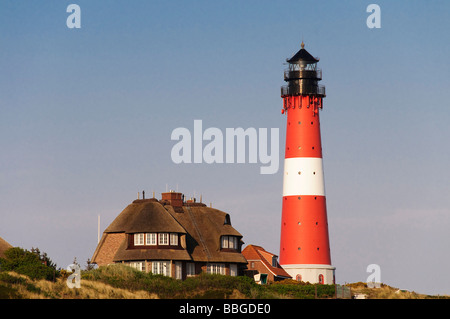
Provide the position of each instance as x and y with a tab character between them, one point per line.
172	237
4	245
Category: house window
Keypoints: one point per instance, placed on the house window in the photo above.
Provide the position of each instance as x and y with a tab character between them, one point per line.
174	239
190	269
216	269
230	242
151	239
233	270
163	239
224	243
139	265
320	279
274	261
161	268
178	270
139	239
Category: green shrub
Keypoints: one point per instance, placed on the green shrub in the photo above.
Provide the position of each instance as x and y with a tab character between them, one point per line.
201	286
205	285
8	279
29	263
121	276
302	290
209	285
7	292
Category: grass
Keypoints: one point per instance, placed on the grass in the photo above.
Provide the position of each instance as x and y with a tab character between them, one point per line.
388	292
123	282
202	286
15	286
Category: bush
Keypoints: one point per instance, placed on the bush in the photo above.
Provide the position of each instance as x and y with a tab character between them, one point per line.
201	286
125	277
302	290
204	286
29	263
217	286
8	279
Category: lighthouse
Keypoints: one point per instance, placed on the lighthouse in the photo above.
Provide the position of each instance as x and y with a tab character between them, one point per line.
304	243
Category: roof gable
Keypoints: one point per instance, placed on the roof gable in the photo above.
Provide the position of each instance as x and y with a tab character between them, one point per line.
253	252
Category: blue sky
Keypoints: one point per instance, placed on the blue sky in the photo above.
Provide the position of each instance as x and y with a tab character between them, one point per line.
86	117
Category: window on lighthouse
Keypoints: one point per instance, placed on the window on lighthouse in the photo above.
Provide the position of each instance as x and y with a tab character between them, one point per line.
321	279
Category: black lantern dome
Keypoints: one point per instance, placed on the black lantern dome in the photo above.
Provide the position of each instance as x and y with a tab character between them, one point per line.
302	75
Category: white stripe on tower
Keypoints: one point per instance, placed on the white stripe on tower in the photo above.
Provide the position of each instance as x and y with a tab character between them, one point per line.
303	176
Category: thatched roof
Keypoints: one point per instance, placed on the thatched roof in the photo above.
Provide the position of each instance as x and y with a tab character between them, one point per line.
4	245
205	226
144	216
201	225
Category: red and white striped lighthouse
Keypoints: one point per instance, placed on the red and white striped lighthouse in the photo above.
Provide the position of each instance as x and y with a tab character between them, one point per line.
304	244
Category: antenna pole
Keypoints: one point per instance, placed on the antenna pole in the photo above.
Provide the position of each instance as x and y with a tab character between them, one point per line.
98	230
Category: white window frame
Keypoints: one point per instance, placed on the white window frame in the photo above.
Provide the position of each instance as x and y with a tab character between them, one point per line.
139	265
151	239
139	239
163	239
174	239
161	267
216	268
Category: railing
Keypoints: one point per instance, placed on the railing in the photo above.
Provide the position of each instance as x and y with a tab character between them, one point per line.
298	90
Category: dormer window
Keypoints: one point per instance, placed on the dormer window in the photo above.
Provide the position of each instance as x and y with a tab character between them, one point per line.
174	239
229	242
274	261
163	239
138	239
151	239
155	240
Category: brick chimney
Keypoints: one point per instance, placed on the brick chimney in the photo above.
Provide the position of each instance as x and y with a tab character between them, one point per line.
174	198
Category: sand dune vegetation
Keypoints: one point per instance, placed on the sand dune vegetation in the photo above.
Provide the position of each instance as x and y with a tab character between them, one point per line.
32	275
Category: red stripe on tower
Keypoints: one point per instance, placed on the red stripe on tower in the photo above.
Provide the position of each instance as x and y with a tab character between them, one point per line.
304	244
